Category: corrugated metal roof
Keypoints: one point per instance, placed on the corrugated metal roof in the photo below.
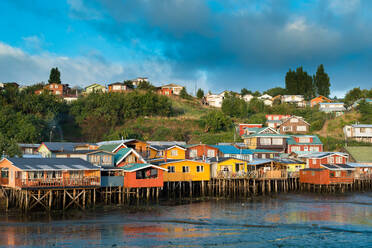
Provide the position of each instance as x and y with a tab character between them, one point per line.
232	150
222	159
259	161
362	125
52	164
166	143
118	142
360	153
28	145
338	166
322	154
136	166
316	141
123	152
63	146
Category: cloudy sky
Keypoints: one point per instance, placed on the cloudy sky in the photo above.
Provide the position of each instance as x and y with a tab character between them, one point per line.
216	45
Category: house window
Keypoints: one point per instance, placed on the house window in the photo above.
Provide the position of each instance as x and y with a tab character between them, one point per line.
239	167
362	130
276	117
210	153
332	174
338	173
294	120
199	168
301	128
313	173
131	159
303	172
147	173
277	141
116	87
338	160
331	160
263	155
171	169
174	152
29	151
4	173
76	174
193	153
306	148
265	141
314	161
185	169
107	159
287	128
295	148
314	149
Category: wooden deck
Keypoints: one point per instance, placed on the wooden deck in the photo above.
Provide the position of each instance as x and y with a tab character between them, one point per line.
58	183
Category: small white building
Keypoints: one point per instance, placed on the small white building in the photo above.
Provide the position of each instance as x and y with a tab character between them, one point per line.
359	132
332	107
138	80
215	100
267	99
298	100
247	98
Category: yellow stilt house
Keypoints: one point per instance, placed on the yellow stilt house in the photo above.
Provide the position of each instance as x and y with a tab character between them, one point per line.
184	170
228	167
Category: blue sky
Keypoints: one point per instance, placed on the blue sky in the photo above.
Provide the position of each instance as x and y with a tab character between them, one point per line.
215	45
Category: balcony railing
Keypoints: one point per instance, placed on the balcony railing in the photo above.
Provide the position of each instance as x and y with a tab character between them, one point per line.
363	176
57	182
270	174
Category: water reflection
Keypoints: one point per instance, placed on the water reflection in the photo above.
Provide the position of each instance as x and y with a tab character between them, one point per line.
284	220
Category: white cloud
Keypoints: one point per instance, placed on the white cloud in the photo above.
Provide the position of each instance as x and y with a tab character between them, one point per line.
79	9
20	66
298	24
343	6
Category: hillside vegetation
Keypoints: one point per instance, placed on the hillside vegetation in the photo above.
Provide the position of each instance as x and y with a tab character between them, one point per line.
143	114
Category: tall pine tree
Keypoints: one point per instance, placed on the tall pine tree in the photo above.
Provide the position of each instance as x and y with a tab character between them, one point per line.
55	76
299	82
290	82
321	82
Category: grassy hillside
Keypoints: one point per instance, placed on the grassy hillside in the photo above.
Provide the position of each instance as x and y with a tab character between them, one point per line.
334	127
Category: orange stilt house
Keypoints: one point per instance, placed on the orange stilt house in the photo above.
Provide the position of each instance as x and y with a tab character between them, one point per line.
201	151
140	175
325	168
38	173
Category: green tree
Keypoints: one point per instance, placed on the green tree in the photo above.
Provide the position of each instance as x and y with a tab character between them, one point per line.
276	91
184	94
216	121
145	85
129	84
200	93
290	82
244	92
321	82
256	93
234	106
299	82
365	109
353	95
55	76
9	147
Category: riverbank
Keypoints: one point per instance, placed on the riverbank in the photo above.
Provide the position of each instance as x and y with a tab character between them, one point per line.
292	219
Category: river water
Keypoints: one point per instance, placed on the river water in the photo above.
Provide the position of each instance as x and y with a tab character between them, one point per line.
286	220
